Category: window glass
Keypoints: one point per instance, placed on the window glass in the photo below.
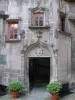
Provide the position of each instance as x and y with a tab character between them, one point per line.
12	30
36	21
40	21
62	23
38	18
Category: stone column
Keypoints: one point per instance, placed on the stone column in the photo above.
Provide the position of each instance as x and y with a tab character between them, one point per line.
22	68
25	72
54	71
54	66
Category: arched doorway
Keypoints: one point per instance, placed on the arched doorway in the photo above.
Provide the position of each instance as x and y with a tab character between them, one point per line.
38	50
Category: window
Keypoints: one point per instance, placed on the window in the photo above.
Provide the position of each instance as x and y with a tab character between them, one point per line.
40	21
62	22
38	18
13	30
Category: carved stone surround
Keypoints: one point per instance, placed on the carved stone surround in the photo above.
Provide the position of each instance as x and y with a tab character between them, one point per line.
37	49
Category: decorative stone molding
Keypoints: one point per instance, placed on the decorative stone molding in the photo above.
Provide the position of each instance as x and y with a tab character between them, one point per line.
24	49
52	45
39	51
32	41
38	3
46	25
39	34
55	51
57	33
38	48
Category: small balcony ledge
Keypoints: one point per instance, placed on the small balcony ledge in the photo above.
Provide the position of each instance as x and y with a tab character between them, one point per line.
12	40
39	27
13	19
71	17
64	33
4	15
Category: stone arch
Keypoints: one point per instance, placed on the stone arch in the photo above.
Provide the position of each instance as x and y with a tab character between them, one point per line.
39	44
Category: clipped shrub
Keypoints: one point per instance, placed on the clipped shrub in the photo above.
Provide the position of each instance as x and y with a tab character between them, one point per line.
15	86
54	87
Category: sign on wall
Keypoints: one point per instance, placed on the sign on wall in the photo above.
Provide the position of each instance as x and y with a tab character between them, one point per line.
2	59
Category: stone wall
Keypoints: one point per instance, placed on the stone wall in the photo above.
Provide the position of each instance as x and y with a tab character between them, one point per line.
16	67
64	58
20	9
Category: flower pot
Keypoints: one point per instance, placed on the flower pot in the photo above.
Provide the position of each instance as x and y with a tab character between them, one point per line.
55	96
15	94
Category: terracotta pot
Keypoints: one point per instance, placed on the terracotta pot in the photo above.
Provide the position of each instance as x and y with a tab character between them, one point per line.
55	96
15	94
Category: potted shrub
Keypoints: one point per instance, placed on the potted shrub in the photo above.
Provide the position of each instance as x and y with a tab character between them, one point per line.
15	88
54	88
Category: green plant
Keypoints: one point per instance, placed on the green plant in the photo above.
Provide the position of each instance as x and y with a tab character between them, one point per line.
14	86
54	87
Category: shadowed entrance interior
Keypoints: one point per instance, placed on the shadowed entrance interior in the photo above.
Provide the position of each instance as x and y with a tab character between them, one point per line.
39	71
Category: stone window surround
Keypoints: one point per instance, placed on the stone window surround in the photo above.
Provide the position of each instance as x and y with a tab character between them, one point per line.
36	17
9	20
12	26
46	16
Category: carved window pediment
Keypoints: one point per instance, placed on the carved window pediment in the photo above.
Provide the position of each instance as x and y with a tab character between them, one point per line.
40	9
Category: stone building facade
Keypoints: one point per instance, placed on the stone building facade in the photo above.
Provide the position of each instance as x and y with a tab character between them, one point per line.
37	29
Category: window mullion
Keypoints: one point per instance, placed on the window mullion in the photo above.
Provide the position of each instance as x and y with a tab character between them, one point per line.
13	31
38	20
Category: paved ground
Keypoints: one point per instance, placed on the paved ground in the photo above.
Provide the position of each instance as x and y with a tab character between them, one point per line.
69	97
35	94
38	96
39	93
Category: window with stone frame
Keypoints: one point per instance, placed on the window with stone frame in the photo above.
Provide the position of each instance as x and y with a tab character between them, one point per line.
38	18
12	30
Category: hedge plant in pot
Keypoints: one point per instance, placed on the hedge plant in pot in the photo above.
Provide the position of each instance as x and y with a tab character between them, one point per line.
54	88
15	88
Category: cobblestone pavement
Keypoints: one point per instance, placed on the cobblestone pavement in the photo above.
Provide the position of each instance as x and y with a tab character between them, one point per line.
38	94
